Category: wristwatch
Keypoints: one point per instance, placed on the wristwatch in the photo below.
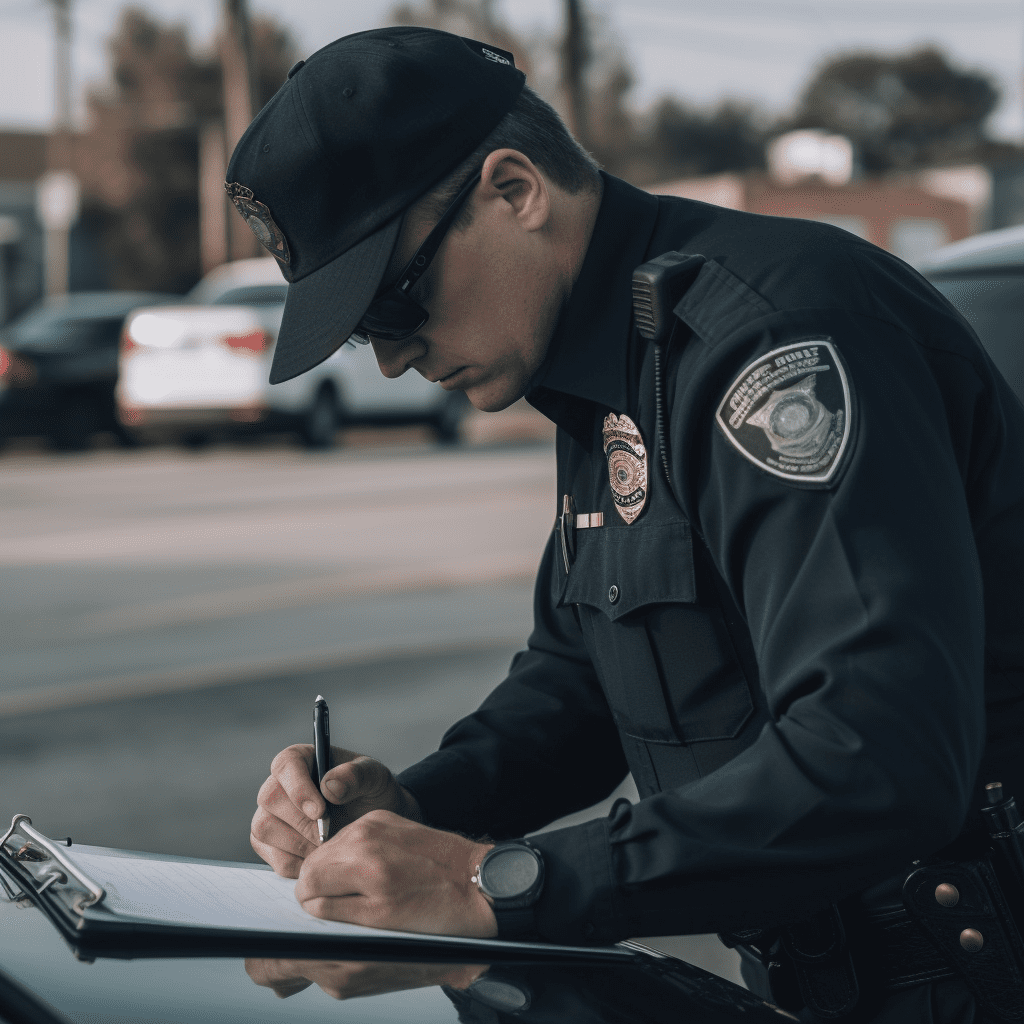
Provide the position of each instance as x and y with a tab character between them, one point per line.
511	876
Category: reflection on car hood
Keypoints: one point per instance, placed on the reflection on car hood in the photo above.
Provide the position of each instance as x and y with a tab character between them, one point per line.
227	990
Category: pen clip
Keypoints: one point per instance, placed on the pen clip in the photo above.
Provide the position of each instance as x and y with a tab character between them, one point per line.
566	531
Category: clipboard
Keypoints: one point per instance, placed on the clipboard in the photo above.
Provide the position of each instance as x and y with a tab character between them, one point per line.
120	903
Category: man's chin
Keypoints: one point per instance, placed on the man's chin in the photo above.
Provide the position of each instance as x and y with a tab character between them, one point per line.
493	396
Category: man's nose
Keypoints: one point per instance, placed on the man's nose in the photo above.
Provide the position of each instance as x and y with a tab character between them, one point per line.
395	357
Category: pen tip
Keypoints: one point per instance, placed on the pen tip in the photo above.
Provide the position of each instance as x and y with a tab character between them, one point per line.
319	697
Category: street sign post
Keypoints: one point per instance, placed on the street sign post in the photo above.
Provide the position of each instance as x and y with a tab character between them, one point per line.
58	197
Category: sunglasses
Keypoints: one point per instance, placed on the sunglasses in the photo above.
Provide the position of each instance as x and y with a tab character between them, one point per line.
393	316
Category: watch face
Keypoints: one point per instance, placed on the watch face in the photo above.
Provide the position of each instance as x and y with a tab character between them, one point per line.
509	871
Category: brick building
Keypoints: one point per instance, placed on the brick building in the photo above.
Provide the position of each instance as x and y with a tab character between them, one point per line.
909	216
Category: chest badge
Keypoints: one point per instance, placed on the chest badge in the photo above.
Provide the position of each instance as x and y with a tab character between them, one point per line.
627	465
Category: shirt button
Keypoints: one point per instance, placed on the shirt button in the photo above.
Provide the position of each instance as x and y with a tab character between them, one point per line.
613	593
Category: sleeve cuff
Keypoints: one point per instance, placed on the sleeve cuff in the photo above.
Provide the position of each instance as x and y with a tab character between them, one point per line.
579	905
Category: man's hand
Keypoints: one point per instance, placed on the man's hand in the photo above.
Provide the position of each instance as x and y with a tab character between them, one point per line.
284	828
388	872
343	979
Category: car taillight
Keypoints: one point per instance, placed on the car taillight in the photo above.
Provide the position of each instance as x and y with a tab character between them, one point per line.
130	415
251	341
16	370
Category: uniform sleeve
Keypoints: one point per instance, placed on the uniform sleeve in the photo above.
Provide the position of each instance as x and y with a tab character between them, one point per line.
863	601
542	745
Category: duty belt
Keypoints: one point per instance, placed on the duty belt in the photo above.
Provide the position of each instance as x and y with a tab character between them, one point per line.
955	922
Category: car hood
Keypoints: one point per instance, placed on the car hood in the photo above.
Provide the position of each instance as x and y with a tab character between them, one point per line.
34	959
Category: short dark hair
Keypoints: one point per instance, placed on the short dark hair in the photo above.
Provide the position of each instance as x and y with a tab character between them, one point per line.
534	128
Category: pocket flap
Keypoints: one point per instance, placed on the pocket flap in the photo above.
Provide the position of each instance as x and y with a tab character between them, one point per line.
620	569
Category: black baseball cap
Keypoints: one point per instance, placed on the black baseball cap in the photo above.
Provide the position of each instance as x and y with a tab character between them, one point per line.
353	138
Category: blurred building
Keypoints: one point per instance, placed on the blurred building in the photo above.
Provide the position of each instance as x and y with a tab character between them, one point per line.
1007	194
909	215
22	161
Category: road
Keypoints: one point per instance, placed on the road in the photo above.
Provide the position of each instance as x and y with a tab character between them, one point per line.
167	617
155	570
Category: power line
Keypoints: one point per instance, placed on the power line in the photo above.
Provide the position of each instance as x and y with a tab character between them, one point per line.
17	11
832	11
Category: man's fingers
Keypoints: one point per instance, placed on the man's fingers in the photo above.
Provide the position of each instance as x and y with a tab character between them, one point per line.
273	799
354	909
280	975
361	778
292	768
269	829
289	987
287	865
336	874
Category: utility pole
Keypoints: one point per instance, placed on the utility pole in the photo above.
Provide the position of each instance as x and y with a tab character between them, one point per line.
57	192
213	201
575	54
239	103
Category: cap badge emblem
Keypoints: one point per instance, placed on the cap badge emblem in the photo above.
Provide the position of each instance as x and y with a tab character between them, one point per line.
257	216
627	465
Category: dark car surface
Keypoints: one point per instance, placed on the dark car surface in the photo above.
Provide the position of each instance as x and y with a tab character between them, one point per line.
44	981
59	365
983	277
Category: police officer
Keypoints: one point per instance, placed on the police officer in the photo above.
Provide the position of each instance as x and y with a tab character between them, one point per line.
783	585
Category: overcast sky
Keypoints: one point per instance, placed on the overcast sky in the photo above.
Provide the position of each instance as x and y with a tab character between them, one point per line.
761	50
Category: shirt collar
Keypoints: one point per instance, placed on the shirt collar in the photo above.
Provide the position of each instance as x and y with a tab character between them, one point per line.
588	357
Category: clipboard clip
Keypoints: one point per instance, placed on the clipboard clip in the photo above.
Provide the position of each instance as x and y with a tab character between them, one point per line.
23	823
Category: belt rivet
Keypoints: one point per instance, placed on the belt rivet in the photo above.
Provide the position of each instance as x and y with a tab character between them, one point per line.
613	593
972	940
946	894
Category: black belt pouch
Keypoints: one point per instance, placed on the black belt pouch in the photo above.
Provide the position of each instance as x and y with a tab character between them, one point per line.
962	909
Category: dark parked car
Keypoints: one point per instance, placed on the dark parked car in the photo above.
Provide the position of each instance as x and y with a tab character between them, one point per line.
58	366
983	277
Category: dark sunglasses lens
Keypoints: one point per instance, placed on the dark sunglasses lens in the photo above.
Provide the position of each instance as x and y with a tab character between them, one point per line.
392	319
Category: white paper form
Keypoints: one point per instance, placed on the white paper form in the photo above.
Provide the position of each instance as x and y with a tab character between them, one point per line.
171	892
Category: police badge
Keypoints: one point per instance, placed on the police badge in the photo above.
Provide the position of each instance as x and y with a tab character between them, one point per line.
257	216
627	465
788	412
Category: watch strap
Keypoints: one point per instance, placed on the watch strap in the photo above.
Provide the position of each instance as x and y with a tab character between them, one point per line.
520	923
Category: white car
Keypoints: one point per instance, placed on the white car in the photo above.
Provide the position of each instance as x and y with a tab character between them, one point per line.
193	368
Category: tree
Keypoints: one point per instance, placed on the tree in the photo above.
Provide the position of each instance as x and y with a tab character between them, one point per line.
138	161
472	18
901	112
684	141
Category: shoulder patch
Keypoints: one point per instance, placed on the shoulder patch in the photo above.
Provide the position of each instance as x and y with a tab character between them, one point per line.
788	412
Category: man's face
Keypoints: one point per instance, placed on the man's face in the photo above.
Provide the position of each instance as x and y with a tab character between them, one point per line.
491	300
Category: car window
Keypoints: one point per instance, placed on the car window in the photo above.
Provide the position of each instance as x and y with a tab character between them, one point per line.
38	324
64	334
253	295
993	304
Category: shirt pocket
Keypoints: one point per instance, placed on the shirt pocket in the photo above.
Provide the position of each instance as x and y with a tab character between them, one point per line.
666	662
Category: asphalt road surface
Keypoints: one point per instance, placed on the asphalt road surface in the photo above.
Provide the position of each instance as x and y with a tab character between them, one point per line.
167	618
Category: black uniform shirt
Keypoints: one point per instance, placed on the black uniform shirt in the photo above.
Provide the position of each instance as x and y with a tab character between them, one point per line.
794	646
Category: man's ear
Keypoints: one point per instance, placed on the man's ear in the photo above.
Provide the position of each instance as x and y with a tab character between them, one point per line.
512	177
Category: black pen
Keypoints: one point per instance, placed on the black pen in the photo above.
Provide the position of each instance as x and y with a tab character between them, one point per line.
322	750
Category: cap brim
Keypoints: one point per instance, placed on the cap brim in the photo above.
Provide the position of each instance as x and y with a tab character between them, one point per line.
323	308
